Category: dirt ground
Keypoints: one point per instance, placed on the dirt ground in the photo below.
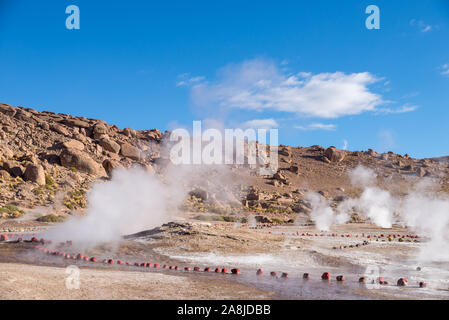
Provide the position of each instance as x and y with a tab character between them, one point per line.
27	273
29	282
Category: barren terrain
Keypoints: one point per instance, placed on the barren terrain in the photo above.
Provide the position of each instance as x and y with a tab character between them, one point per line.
231	218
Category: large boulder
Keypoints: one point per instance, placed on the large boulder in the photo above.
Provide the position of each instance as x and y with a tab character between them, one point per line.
75	123
7	109
334	155
130	151
99	130
109	145
16	171
280	177
109	165
13	167
35	173
284	152
294	169
199	193
23	115
421	172
154	134
129	132
73	144
59	129
73	158
4	174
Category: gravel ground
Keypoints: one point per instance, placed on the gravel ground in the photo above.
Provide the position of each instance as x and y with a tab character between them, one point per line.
30	282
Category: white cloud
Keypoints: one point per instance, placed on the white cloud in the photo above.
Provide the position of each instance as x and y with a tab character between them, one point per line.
421	25
445	69
261	124
259	85
185	80
317	126
426	28
405	108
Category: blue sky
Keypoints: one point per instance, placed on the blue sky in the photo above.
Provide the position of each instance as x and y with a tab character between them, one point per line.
309	68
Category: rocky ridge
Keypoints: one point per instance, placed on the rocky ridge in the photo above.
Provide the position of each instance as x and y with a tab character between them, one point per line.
50	160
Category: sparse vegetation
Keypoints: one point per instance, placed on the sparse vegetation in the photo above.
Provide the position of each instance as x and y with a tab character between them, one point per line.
244	220
75	199
11	211
46	192
220	218
277	221
52	218
49	182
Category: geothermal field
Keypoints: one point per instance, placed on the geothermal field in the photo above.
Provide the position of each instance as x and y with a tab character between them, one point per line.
92	211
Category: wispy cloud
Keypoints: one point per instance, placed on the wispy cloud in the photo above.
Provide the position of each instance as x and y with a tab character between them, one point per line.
317	126
259	85
186	80
403	109
410	95
445	69
422	26
261	124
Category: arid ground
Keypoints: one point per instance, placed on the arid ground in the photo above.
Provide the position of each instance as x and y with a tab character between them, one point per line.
57	167
28	273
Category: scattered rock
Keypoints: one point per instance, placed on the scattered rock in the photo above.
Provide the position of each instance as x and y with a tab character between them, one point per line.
421	172
73	144
294	169
280	177
129	132
73	158
109	145
253	195
129	151
4	174
35	173
199	193
284	152
13	168
109	165
59	129
6	152
334	155
75	123
99	130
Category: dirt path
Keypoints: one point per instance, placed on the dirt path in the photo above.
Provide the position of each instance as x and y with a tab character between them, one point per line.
29	282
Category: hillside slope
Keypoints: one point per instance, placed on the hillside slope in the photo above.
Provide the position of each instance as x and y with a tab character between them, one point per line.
50	160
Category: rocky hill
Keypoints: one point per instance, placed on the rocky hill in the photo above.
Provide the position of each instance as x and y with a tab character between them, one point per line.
45	155
50	160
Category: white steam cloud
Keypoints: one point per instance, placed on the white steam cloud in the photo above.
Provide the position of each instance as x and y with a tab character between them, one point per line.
375	204
322	213
421	210
133	200
428	214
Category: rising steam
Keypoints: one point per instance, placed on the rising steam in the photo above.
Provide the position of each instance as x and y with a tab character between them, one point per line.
421	210
133	200
322	213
